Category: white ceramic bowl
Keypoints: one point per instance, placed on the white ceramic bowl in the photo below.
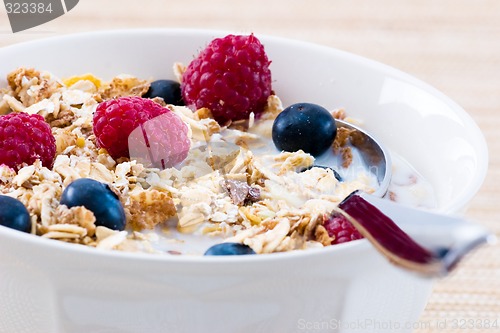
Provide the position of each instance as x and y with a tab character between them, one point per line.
50	286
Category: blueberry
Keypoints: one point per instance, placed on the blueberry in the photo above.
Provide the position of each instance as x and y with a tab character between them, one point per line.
98	198
335	173
13	214
305	126
169	90
229	249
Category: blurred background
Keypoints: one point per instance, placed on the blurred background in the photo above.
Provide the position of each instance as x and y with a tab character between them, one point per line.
453	45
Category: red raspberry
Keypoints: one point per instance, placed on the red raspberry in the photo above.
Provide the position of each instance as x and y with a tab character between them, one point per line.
24	138
231	77
141	129
340	229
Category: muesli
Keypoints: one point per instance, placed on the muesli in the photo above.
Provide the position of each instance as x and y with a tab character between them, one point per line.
227	183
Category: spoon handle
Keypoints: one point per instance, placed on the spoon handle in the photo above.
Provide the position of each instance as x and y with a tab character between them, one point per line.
421	241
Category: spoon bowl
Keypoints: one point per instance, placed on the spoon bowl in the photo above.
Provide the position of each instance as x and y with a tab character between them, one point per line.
368	154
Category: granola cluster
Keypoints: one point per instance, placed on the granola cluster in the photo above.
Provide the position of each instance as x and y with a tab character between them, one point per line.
232	186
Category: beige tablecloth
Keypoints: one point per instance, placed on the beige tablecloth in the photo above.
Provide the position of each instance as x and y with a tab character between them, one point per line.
452	44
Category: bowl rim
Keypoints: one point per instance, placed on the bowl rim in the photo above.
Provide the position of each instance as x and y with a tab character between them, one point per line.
455	207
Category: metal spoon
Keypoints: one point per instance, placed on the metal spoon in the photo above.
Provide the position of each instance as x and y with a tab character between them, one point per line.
421	241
